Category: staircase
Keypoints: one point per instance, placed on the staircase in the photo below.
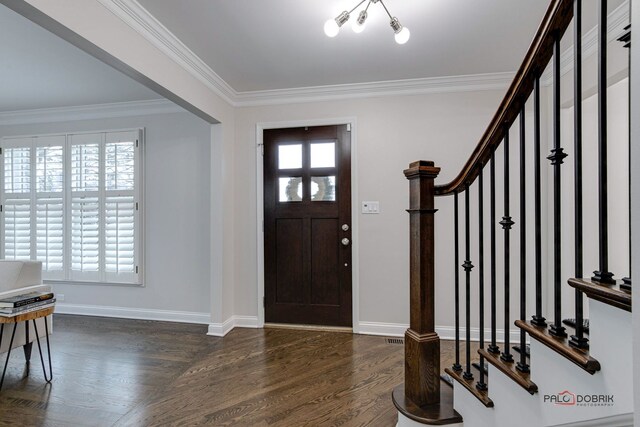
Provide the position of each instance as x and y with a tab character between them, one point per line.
569	376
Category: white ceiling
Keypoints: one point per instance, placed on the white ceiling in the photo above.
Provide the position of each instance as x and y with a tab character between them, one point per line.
278	44
40	70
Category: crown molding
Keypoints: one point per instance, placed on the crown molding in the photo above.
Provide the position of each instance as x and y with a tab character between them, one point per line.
478	82
616	21
142	21
88	112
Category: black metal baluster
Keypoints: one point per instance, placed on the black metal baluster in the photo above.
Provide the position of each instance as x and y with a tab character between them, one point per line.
456	366
557	158
506	223
626	38
493	347
468	266
603	275
523	366
578	340
538	319
481	384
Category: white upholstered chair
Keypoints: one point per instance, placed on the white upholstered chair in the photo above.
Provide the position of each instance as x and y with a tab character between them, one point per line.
19	277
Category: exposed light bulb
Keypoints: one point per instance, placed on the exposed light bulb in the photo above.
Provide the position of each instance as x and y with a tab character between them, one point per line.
331	28
403	35
359	24
357	28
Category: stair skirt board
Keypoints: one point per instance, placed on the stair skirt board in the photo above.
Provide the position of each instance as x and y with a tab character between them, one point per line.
404	421
611	341
624	420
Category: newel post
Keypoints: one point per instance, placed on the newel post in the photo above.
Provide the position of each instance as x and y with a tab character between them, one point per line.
422	344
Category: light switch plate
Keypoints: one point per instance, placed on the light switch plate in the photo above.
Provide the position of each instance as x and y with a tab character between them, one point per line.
370	207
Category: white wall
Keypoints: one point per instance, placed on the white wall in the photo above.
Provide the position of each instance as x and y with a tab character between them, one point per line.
391	133
176	215
635	192
93	26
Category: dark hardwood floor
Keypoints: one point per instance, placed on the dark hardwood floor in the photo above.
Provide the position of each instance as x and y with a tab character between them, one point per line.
140	373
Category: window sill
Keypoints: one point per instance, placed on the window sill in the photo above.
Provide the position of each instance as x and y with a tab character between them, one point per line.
70	282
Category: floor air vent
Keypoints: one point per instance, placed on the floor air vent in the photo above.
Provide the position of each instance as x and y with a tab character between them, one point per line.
395	341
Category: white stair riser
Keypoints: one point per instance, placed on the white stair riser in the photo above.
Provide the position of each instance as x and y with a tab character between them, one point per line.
611	344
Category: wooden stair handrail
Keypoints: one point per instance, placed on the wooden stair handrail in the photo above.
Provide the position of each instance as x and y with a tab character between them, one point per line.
554	24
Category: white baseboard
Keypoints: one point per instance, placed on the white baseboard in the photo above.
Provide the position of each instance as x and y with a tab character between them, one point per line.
382	329
444	332
222	329
245	321
134	313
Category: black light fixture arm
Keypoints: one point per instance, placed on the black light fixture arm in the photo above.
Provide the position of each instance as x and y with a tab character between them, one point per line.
358	5
385	8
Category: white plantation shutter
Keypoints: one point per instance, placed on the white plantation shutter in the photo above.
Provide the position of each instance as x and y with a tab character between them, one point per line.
17	168
72	202
85	163
85	238
85	220
49	204
16	198
120	165
17	229
50	166
120	237
50	236
121	215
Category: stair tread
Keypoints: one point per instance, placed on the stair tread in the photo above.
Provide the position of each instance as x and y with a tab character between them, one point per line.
578	356
612	295
509	369
470	385
572	323
441	413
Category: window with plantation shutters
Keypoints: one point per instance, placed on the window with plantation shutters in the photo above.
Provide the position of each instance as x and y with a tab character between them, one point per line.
72	202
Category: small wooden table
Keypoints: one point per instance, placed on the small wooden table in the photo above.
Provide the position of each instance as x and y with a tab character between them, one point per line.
33	316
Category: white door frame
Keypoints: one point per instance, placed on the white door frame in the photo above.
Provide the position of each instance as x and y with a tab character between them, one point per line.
355	261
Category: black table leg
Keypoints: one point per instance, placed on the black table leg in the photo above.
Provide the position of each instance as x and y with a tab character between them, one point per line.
46	328
27	347
6	363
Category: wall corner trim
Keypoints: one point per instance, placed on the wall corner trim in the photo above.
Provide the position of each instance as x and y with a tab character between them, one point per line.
89	112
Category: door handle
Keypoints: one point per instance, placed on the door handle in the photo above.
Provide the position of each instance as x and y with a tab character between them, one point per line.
345	242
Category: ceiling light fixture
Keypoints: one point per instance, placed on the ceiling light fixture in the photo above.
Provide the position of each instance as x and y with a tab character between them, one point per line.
332	26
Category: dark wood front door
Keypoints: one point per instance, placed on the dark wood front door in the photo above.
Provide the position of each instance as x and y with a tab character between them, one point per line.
307	225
